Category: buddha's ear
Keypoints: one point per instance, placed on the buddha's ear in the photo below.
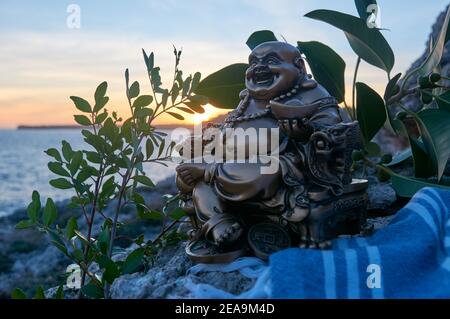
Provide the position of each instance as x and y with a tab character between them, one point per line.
300	63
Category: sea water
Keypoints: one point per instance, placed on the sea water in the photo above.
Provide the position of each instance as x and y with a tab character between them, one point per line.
23	165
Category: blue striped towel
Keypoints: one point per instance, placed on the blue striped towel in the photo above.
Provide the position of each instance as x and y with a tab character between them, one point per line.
407	259
410	258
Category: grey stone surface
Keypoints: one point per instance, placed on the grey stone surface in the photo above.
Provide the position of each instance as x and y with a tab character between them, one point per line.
169	275
381	195
28	260
380	222
390	143
412	101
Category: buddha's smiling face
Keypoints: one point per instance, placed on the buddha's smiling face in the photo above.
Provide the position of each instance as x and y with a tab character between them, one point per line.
274	68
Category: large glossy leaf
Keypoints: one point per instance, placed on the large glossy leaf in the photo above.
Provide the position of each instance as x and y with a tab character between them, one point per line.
434	127
434	58
368	44
407	186
370	111
223	87
423	167
444	101
258	37
400	157
389	91
327	67
361	6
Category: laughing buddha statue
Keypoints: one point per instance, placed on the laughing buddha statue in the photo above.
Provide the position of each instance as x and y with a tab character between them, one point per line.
309	198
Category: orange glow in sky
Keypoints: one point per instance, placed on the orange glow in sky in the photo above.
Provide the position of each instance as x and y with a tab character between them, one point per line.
43	60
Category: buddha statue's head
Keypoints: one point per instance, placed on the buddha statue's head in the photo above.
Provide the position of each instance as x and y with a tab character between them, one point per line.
274	68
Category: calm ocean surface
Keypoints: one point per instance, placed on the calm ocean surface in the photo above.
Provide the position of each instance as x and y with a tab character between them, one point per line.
23	165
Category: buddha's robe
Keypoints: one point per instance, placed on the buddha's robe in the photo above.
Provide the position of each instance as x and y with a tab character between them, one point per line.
238	182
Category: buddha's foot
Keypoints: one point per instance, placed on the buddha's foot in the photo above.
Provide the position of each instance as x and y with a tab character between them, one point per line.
227	233
324	245
297	215
191	172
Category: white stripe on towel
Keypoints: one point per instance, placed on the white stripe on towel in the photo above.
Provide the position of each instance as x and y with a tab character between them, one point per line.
351	262
374	258
423	212
330	274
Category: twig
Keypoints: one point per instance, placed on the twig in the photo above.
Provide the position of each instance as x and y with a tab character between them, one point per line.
91	221
400	95
165	230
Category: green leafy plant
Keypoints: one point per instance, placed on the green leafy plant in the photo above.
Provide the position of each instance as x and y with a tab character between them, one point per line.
430	150
109	173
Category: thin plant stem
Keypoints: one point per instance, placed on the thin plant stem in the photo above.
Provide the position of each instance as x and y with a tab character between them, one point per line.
91	220
165	230
125	182
347	109
358	61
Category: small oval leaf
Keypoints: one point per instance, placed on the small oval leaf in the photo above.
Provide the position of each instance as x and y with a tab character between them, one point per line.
81	104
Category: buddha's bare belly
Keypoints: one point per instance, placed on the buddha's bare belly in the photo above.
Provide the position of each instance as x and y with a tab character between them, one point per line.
242	181
238	181
256	137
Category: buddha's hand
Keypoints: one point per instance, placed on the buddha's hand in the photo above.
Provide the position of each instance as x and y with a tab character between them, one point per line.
296	128
190	173
187	147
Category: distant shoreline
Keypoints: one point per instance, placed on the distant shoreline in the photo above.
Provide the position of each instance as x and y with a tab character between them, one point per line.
217	119
48	127
77	127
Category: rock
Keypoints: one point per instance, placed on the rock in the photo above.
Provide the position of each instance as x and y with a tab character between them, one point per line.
412	102
380	222
168	278
28	260
39	268
160	281
68	293
40	263
390	143
381	195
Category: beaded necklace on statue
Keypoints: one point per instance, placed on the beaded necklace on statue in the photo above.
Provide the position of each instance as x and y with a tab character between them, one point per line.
237	116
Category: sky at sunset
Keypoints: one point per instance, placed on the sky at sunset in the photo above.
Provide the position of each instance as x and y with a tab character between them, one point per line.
43	61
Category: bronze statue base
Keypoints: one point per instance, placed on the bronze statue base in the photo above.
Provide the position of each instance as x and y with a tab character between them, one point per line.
329	217
201	251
